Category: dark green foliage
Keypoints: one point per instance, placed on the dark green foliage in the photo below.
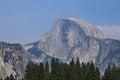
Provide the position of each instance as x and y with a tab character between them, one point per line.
9	78
53	73
34	71
97	72
29	75
72	71
1	79
46	71
40	72
78	70
111	73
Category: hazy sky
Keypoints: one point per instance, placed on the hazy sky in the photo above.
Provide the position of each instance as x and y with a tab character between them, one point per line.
24	21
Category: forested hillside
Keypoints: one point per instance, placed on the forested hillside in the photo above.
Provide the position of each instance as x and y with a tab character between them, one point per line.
57	70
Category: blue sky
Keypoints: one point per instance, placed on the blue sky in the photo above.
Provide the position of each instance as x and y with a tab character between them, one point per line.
24	21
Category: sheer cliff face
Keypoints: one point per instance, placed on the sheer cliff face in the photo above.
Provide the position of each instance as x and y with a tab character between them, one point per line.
12	60
71	38
74	38
109	53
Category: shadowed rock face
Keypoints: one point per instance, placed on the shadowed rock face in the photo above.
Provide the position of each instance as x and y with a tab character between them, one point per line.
12	60
109	53
74	38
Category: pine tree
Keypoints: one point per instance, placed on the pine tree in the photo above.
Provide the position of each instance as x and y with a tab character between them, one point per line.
72	70
46	71
66	71
107	73
84	71
29	72
91	71
52	74
41	70
78	70
36	72
63	71
97	74
114	73
54	69
11	77
7	78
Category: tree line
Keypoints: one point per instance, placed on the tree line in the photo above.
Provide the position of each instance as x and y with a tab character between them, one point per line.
56	70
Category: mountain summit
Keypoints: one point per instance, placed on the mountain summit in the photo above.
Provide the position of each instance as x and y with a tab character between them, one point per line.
89	29
74	38
67	34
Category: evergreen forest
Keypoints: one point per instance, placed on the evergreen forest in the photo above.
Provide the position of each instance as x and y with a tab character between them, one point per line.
56	70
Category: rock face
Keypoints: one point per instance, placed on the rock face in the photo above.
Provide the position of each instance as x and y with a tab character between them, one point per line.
74	38
71	38
12	60
109	53
35	54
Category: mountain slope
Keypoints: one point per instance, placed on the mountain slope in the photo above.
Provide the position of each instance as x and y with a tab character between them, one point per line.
34	54
66	35
12	60
74	38
109	53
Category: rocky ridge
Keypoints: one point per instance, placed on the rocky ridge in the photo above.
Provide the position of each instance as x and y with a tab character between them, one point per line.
12	60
